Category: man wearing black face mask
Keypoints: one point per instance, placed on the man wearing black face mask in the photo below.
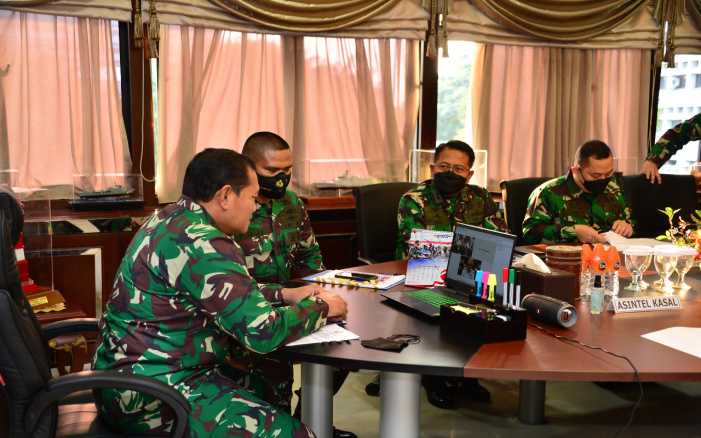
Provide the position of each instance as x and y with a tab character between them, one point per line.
447	198
437	204
278	246
581	205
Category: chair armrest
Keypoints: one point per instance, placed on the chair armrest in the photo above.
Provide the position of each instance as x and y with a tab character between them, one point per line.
67	326
367	261
57	389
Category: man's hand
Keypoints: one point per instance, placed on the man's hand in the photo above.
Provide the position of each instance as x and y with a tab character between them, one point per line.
651	172
337	305
622	228
587	234
296	294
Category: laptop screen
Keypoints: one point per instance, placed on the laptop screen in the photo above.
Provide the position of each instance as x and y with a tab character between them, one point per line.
478	249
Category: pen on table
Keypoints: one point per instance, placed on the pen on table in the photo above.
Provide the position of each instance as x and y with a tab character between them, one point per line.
512	281
505	282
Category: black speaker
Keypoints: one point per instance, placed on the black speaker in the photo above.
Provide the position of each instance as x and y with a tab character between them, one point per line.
550	310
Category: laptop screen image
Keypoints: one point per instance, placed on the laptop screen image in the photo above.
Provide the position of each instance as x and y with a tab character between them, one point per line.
477	249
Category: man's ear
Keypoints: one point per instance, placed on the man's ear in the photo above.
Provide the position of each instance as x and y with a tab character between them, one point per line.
223	196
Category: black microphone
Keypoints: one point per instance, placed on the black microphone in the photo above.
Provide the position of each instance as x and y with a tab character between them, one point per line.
550	310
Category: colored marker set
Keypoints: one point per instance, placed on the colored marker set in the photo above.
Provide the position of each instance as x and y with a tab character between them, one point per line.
486	283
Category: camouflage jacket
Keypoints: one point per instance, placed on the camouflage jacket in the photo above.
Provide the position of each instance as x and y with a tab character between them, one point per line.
557	205
280	242
674	139
182	298
423	207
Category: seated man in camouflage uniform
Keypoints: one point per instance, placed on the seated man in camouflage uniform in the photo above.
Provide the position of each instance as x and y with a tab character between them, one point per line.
447	198
437	204
279	245
581	205
670	142
183	297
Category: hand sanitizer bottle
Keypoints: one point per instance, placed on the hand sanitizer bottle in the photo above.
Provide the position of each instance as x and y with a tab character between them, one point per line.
597	296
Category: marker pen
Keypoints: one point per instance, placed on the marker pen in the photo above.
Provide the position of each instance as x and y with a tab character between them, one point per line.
485	279
492	282
518	295
512	283
505	283
478	283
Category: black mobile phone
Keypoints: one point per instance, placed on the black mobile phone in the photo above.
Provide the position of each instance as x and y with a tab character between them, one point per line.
356	276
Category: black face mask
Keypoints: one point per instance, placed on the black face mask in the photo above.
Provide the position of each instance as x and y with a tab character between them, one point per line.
449	183
273	187
597	186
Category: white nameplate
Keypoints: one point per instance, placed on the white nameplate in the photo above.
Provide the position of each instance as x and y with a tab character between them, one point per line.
645	304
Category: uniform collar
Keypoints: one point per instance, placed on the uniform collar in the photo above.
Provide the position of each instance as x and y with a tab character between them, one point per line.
191	205
572	186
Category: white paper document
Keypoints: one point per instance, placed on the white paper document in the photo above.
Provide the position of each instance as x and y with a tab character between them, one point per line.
684	339
621	243
328	333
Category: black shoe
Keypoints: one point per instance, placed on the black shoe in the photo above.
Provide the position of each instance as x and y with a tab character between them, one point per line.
472	389
440	392
373	388
338	433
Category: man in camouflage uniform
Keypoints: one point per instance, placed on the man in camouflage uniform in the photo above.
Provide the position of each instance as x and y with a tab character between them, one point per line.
183	297
670	142
581	205
279	245
438	203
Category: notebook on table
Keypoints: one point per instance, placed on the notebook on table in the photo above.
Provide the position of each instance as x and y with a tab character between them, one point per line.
473	249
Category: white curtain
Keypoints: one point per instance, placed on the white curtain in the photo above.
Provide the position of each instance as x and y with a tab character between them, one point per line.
63	113
343	104
533	106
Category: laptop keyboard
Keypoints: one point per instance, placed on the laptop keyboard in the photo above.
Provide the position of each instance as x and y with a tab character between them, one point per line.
431	297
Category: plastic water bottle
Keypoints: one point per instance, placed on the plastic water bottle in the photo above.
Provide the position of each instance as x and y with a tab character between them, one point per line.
597	296
611	284
585	284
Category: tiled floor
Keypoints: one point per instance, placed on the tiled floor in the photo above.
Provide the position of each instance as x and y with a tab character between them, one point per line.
572	410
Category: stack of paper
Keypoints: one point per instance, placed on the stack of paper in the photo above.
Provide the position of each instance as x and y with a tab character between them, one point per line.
328	333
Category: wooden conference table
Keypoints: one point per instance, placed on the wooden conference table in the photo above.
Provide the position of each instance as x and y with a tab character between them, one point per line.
537	359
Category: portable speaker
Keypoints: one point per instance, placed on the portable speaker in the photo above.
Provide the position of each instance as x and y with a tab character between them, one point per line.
549	310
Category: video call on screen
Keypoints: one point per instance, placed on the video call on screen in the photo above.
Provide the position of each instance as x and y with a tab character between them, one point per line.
473	251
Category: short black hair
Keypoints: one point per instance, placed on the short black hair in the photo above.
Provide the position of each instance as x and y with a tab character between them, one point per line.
260	142
593	148
458	146
212	169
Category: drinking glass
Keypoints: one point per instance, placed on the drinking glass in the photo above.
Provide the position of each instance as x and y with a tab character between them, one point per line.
665	264
637	258
685	260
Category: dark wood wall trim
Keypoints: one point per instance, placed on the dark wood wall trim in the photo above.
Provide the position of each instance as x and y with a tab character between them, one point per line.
429	102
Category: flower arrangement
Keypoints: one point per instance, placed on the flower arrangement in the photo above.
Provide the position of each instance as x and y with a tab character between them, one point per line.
681	232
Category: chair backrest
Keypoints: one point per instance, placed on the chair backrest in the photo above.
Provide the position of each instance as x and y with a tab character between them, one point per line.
515	195
24	363
376	219
646	199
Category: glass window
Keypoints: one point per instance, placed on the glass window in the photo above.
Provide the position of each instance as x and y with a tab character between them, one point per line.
676	104
454	99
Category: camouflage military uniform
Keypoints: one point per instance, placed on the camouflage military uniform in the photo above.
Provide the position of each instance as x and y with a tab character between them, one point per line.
674	139
423	207
182	298
280	243
559	204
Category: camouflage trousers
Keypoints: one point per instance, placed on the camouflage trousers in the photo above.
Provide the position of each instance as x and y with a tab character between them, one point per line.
220	407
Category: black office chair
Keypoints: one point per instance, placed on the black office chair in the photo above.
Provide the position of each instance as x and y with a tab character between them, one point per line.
34	398
646	199
376	208
515	195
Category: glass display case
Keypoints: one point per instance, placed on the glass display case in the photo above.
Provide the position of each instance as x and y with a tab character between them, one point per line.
107	191
344	174
421	160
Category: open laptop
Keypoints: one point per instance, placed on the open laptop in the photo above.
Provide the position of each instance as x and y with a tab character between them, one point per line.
473	249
